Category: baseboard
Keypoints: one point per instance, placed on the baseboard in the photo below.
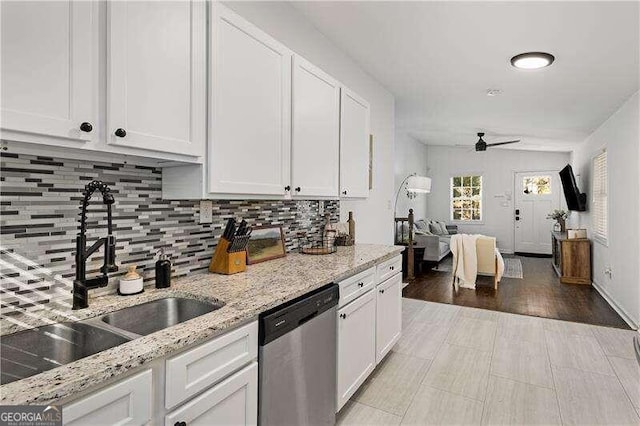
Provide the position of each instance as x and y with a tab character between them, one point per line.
544	256
615	306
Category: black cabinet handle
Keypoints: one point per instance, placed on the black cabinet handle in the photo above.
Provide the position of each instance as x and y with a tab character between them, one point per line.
86	127
360	284
180	424
343	316
121	133
287	188
297	189
392	267
344	192
382	290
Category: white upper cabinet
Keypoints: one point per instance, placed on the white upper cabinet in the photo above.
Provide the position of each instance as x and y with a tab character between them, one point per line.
315	131
354	146
157	75
48	73
250	108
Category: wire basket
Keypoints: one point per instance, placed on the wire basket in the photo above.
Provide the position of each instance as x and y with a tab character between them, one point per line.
324	244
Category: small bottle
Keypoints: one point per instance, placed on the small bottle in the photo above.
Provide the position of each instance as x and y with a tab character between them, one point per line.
352	227
163	270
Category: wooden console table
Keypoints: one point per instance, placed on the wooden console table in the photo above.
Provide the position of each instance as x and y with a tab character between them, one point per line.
571	258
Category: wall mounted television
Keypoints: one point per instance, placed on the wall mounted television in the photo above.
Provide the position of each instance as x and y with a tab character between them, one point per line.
576	200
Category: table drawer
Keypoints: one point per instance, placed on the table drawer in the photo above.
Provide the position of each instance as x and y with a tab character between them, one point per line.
388	268
197	369
353	287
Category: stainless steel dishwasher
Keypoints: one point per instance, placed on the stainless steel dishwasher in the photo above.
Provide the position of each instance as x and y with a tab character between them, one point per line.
297	361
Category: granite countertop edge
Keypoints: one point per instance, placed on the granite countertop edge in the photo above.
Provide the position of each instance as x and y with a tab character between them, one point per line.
268	284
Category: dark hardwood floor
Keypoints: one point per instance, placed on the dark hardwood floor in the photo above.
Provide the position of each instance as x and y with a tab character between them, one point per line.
539	294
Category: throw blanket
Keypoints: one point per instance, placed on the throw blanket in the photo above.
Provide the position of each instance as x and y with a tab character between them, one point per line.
465	261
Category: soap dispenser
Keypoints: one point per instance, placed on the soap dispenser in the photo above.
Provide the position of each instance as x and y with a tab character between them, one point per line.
163	270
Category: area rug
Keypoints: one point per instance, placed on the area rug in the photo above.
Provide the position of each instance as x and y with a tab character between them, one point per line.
512	267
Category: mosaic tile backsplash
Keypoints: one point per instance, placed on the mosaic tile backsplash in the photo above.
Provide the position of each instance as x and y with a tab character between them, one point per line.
39	207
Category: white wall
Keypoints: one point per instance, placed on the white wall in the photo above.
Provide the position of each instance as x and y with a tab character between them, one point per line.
497	167
410	157
373	216
620	135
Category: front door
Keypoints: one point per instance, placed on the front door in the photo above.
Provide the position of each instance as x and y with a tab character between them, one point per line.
536	195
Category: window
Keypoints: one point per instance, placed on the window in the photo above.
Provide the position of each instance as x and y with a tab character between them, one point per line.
599	197
536	185
466	198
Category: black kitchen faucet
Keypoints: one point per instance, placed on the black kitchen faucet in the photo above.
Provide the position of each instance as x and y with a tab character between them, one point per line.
82	285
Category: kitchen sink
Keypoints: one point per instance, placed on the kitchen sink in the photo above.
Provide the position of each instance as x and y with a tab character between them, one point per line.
30	352
159	314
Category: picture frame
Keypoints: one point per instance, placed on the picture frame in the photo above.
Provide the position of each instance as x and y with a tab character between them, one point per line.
266	243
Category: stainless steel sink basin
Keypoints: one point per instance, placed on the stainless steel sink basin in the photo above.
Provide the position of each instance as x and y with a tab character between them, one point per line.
30	352
159	314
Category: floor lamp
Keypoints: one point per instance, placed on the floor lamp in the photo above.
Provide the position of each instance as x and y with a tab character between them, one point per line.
414	185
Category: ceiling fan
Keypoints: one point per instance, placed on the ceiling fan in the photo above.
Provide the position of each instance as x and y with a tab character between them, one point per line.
481	145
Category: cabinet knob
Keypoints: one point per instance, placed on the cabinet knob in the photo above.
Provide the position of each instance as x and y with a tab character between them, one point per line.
121	133
297	189
360	284
180	424
86	127
343	316
382	290
392	267
287	188
344	192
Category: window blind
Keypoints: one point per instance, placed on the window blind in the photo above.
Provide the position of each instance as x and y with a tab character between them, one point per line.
599	196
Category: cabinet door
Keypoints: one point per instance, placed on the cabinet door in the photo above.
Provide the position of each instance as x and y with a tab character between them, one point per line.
356	345
48	74
316	131
195	370
250	107
354	146
157	75
388	315
233	401
127	402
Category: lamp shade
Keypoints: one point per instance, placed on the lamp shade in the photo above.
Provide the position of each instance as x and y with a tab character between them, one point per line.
419	184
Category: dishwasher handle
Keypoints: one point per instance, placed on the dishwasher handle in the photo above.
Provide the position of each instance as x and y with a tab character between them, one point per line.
307	318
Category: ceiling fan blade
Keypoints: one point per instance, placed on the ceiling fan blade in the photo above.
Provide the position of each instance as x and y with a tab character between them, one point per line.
503	143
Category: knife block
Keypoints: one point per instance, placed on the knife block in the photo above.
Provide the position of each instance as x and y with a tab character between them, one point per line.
226	263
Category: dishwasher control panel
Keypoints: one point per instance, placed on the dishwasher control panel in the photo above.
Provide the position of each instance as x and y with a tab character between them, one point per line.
288	316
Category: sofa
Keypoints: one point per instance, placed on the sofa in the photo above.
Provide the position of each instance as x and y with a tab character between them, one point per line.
434	236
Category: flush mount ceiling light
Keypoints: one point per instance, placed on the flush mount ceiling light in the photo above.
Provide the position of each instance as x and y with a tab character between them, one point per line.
493	92
532	60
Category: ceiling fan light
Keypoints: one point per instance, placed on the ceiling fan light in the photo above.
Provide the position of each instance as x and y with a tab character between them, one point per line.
532	60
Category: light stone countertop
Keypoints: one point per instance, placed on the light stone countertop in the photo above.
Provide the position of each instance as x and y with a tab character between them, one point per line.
245	295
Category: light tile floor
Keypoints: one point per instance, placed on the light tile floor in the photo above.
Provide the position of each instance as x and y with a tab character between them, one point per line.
458	365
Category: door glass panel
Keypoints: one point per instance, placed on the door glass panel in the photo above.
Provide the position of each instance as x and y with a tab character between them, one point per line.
536	185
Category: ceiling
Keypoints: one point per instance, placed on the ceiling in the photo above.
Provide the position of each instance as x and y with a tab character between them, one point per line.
439	59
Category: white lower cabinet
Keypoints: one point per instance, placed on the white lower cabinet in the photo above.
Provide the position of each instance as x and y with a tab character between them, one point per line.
214	383
127	402
369	324
388	315
356	345
197	369
234	401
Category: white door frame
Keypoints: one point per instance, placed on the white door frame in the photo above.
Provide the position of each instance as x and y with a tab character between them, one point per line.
553	173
